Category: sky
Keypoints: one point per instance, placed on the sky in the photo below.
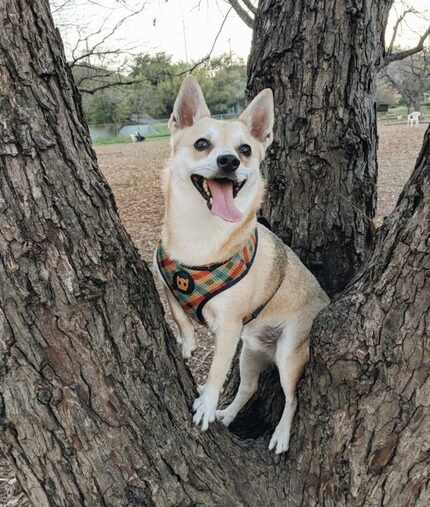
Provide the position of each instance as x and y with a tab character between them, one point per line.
187	28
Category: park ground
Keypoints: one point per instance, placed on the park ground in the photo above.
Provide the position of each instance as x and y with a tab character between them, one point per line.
133	171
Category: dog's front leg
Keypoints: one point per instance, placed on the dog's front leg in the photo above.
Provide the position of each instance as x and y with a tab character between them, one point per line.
187	337
226	340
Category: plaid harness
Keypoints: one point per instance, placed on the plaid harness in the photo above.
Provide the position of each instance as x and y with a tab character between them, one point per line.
194	286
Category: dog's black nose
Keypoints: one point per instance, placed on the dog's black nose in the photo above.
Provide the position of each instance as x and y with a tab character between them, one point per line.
228	163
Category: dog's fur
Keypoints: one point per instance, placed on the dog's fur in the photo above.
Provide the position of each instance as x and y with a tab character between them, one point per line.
192	235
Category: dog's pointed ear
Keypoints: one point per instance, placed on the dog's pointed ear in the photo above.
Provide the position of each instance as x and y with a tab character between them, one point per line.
259	117
189	106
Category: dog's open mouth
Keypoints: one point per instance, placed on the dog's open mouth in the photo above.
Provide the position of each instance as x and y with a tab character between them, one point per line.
219	194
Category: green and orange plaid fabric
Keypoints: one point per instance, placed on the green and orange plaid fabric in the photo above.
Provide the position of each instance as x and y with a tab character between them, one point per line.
194	286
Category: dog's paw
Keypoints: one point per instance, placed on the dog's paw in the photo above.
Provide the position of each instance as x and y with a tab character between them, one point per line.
188	349
280	440
204	408
225	416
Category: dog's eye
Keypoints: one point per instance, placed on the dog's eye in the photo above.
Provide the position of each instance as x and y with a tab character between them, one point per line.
201	144
245	149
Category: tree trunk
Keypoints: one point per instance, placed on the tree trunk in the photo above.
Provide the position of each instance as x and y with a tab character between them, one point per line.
320	59
363	436
94	402
416	104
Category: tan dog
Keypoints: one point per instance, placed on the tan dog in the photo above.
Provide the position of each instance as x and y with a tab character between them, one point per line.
213	189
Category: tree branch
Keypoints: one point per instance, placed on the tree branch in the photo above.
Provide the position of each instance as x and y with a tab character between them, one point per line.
241	12
92	91
206	58
400	55
395	30
94	49
250	6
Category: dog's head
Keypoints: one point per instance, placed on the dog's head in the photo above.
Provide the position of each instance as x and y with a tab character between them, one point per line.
219	160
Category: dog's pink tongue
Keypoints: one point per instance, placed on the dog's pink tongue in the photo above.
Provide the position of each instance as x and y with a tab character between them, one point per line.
222	200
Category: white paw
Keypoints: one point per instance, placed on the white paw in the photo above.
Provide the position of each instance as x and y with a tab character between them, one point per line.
280	440
188	349
225	416
204	408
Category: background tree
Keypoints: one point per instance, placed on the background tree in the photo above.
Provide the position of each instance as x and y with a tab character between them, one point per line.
94	403
222	80
95	55
385	93
155	82
226	84
108	106
410	78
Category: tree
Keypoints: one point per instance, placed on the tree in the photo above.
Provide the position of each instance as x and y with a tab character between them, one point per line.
394	53
322	166
222	79
111	105
226	84
96	58
154	68
94	402
246	11
385	93
155	80
410	78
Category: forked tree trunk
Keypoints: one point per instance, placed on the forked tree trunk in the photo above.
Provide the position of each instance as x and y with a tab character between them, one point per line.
320	59
94	403
364	419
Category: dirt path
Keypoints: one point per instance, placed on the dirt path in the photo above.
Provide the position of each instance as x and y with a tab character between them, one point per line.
398	150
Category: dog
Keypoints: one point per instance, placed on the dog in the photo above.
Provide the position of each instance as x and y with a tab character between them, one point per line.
222	268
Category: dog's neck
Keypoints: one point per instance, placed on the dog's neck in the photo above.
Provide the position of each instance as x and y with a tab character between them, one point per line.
197	238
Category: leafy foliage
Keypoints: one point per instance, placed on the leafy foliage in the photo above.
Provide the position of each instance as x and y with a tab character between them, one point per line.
156	80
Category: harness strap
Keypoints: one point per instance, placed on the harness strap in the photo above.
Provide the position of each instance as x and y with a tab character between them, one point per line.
194	286
260	308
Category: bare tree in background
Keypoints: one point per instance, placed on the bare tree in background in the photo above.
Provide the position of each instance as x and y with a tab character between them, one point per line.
403	10
95	55
410	78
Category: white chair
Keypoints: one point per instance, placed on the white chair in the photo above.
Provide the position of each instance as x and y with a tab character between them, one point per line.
413	119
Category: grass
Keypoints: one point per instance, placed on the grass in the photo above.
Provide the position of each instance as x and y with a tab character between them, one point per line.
161	128
112	140
403	111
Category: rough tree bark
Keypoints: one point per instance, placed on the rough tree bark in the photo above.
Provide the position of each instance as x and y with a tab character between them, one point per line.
364	421
94	403
320	59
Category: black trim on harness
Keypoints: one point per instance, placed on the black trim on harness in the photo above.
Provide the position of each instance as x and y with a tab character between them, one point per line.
234	282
